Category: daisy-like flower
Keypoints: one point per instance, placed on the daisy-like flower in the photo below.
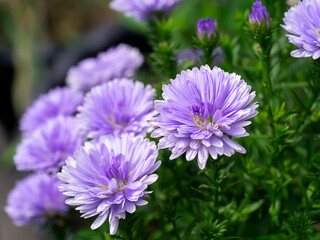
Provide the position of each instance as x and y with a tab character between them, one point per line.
59	101
109	177
201	107
118	106
118	62
303	22
34	199
47	148
143	9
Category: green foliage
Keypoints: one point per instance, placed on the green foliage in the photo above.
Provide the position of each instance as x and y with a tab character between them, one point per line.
164	53
301	225
270	193
208	230
256	196
273	191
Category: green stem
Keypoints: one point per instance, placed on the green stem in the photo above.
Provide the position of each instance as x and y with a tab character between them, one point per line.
308	115
207	56
163	55
270	163
267	69
175	230
315	98
215	167
266	51
216	175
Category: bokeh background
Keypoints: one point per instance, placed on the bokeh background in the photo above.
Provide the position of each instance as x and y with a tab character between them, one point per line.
41	39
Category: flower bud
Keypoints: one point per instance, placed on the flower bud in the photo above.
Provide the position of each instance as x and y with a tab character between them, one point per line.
258	15
207	27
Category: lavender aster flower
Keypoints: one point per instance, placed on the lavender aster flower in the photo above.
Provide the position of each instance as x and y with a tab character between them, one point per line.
194	55
207	26
189	54
35	198
303	22
143	9
59	101
110	177
47	147
200	108
118	62
121	105
259	13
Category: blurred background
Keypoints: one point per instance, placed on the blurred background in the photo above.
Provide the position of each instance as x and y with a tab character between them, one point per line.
41	39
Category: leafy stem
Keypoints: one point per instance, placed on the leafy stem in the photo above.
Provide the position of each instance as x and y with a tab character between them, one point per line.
266	44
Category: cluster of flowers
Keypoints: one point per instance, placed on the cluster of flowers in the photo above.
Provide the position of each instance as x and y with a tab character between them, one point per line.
302	21
88	139
106	176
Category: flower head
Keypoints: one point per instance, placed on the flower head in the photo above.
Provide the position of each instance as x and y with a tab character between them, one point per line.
259	14
118	106
207	27
195	55
118	62
47	148
303	22
35	198
200	108
59	101
109	177
143	9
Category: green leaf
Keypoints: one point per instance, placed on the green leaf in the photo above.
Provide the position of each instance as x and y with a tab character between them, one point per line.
189	229
252	207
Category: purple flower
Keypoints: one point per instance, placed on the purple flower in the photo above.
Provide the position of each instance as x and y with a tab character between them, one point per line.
47	147
143	9
35	198
194	55
303	22
189	54
110	177
118	106
207	26
259	14
59	101
200	108
118	62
